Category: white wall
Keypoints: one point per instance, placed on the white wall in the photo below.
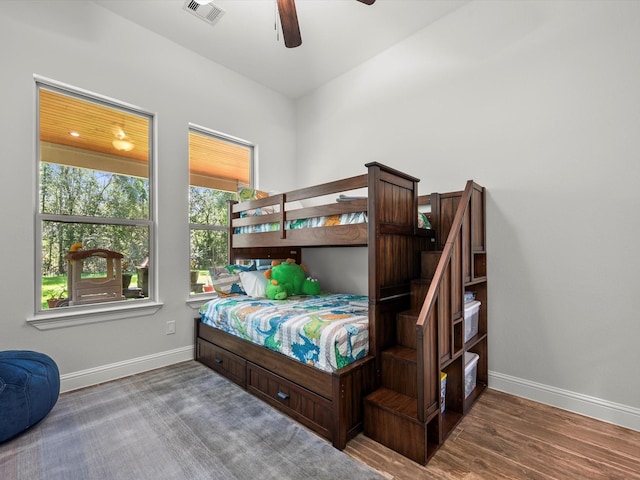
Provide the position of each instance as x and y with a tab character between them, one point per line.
81	44
538	102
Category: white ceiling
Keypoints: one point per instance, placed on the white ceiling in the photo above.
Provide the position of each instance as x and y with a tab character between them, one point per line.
337	35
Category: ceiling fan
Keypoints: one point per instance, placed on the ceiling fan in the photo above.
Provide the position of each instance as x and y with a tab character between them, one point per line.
289	22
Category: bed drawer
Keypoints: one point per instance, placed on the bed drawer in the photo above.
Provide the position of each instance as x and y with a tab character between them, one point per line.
299	403
224	362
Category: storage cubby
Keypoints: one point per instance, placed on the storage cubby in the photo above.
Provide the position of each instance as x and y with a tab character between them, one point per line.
458	334
479	265
479	290
481	373
454	384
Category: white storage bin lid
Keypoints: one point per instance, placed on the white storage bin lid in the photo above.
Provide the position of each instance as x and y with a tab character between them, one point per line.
469	307
469	358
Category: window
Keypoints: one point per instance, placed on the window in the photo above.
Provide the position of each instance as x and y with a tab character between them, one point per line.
94	198
218	166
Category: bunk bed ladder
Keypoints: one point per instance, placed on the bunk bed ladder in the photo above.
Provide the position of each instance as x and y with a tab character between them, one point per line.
407	413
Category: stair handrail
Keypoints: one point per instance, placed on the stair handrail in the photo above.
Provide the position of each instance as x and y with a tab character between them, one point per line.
426	359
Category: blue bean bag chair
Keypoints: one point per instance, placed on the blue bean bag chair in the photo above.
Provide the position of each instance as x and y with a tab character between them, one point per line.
29	388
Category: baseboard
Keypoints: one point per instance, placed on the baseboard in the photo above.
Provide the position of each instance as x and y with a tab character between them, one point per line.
106	373
611	412
616	413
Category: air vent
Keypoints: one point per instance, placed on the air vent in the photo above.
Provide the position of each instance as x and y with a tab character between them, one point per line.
208	12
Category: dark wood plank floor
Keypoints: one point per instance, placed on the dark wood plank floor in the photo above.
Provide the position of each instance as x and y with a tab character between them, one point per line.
505	436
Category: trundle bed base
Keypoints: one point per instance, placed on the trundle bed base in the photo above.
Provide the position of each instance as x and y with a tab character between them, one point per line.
328	403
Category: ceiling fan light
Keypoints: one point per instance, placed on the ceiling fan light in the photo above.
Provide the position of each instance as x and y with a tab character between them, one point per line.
122	145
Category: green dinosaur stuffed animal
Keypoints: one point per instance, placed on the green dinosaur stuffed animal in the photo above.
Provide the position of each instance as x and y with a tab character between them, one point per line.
288	278
275	291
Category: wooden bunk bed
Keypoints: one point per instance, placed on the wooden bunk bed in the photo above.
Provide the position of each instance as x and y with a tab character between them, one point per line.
334	403
329	403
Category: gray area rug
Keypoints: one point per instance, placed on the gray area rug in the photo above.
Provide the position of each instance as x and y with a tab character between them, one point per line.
178	422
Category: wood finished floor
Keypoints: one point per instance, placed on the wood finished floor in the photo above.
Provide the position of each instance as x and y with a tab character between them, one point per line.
505	436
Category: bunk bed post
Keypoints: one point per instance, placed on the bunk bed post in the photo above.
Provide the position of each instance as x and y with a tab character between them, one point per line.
394	247
230	216
341	412
373	258
283	216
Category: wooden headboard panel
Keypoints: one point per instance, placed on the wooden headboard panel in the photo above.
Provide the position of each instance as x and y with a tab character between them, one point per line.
395	243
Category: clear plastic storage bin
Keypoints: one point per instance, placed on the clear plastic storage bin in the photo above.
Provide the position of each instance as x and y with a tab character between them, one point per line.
471	313
470	372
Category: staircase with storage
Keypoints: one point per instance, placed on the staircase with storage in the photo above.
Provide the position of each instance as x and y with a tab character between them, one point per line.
435	371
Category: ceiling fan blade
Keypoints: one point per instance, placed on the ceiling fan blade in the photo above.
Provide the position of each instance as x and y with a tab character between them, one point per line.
367	2
289	22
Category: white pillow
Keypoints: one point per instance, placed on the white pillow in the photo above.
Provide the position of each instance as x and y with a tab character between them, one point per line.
254	283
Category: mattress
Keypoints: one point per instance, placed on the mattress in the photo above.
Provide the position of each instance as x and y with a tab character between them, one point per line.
327	331
313	222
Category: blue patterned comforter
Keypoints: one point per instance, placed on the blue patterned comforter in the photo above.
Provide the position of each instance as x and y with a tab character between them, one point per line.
325	331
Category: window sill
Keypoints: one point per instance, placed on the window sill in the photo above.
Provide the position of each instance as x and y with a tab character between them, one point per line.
196	301
70	317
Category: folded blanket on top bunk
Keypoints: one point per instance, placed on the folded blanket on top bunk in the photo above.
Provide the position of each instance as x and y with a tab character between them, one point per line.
327	221
325	331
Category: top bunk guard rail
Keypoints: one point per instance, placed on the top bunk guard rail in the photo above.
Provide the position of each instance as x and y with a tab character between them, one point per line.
282	208
444	300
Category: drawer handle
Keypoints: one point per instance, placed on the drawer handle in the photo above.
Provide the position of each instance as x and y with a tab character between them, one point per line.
283	396
217	360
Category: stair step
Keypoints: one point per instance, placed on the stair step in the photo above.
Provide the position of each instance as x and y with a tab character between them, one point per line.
429	262
419	289
406	328
401	352
391	419
399	370
394	402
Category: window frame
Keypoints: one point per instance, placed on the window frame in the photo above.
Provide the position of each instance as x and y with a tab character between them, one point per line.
98	312
197	298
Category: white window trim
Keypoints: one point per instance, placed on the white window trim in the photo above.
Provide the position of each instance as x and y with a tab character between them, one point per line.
108	311
196	300
103	312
